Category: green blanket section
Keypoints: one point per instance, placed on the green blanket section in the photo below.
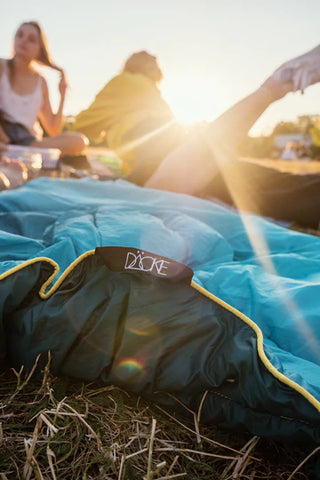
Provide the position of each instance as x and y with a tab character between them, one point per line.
158	338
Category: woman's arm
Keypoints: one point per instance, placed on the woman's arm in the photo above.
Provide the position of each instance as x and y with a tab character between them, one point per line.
233	125
52	122
190	167
4	139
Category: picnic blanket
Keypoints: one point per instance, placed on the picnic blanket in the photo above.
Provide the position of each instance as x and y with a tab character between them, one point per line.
169	296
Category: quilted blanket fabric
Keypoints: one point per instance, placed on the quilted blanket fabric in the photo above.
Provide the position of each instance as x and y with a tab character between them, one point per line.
241	340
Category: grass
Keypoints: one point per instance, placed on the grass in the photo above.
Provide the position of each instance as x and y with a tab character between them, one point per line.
56	428
298	167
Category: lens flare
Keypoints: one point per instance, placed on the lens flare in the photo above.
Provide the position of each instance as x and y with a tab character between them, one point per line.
142	326
141	333
128	147
237	185
129	368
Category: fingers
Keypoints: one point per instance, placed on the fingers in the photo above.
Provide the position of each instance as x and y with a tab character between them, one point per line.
300	77
297	79
306	80
302	71
63	78
303	78
4	182
13	173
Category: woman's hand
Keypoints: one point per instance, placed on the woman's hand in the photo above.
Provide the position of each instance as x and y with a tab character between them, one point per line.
63	84
302	71
13	173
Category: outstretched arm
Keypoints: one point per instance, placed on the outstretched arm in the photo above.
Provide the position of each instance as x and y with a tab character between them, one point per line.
191	167
232	126
53	122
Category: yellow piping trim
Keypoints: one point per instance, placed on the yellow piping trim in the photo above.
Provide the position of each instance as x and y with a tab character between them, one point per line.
42	292
280	376
30	262
67	271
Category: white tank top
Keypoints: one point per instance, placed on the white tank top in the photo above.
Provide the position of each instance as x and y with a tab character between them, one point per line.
22	109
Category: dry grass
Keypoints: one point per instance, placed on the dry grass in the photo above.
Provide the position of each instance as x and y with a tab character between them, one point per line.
55	428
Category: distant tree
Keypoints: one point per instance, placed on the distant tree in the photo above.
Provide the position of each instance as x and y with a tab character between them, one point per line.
303	124
284	128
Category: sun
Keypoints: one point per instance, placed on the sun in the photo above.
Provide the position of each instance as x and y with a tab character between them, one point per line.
192	97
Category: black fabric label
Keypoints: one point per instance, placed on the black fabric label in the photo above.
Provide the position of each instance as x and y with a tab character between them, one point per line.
127	259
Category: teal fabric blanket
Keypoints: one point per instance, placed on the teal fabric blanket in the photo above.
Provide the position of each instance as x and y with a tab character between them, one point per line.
242	340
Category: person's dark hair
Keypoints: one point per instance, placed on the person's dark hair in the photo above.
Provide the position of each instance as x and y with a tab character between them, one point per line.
144	63
44	56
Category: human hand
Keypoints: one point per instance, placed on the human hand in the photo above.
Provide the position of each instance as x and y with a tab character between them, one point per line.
13	173
303	71
63	84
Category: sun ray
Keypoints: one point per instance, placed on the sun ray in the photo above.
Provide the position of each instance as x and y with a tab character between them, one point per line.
243	201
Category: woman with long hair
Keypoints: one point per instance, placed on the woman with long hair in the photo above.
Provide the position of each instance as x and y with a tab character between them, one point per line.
24	96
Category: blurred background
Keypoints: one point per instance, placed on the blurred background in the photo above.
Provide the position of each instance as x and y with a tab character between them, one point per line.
212	53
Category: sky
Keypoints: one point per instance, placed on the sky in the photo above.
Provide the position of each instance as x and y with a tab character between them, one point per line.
212	52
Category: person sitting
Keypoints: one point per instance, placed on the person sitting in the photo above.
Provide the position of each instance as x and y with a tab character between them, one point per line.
24	97
131	115
289	152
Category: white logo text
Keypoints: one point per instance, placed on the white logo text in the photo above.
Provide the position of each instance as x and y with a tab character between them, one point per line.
146	263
